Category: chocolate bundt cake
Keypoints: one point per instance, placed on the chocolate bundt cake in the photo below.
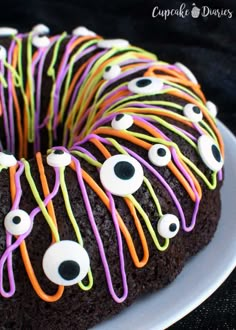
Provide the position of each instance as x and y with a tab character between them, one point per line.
110	176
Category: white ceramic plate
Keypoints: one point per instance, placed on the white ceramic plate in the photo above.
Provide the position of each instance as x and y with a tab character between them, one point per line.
201	276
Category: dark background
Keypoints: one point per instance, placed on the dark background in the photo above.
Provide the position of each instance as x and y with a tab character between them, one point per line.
206	45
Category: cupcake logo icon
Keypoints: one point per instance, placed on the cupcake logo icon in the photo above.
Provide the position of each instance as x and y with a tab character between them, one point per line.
195	12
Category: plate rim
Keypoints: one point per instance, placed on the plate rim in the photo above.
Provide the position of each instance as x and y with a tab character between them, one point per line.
216	284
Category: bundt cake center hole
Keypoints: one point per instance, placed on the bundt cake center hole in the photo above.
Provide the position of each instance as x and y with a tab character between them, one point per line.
19	146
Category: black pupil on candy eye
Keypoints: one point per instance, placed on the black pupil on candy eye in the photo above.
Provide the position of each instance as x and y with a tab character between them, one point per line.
172	227
124	170
16	220
196	109
69	270
161	152
216	153
143	82
118	117
58	152
108	68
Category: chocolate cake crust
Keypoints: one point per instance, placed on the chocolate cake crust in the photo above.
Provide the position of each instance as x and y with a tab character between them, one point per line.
110	176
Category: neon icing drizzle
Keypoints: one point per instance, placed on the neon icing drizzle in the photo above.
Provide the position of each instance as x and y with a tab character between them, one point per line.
89	104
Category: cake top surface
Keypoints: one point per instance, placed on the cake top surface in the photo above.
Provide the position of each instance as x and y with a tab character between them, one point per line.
91	96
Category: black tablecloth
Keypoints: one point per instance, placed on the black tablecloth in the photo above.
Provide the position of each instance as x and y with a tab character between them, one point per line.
205	44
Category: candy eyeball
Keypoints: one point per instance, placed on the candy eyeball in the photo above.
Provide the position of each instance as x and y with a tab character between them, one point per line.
121	175
7	31
210	153
212	108
145	85
40	29
113	43
82	31
168	226
193	112
59	158
40	41
111	72
122	121
187	72
17	222
3	53
66	263
159	155
7	159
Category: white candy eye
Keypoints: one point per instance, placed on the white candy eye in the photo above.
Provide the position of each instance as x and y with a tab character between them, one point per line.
111	72
159	155
122	121
121	175
3	53
168	226
82	31
40	29
58	158
212	108
7	31
17	222
210	153
113	43
187	72
66	263
145	85
40	41
193	112
7	159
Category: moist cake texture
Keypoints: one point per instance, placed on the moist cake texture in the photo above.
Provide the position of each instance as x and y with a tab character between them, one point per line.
111	166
